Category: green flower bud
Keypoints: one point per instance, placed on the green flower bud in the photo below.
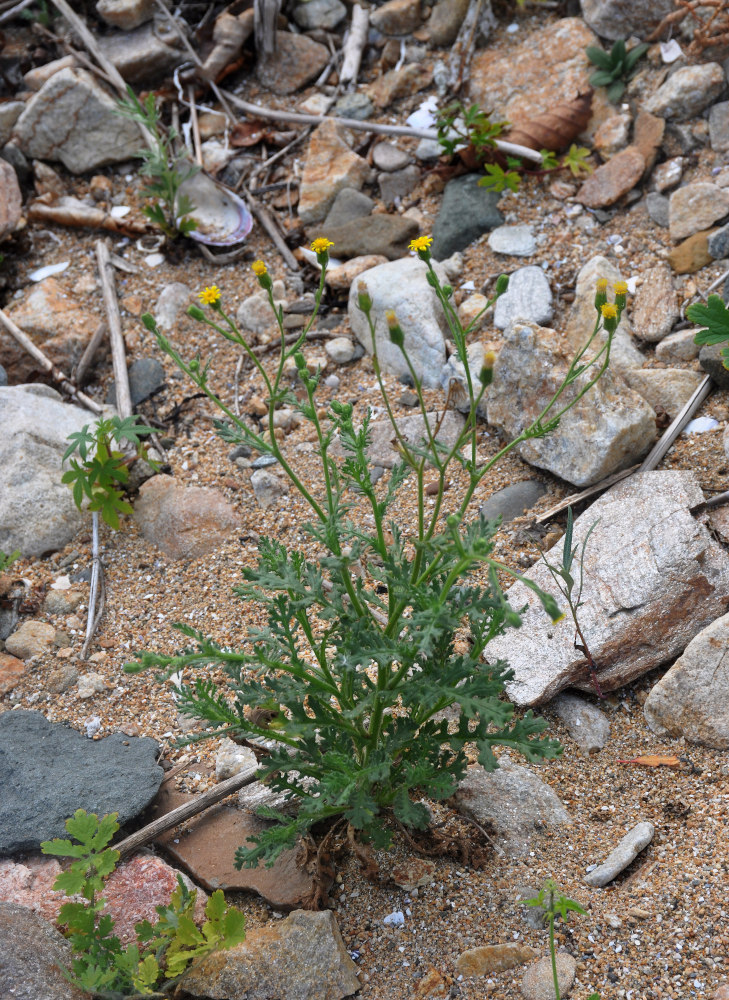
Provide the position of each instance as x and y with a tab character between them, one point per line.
396	335
447	290
300	361
601	293
502	283
364	300
150	322
196	313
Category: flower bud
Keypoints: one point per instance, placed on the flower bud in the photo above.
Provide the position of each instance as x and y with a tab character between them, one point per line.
601	293
364	300
396	335
502	283
149	321
621	291
609	314
300	361
447	290
194	311
486	375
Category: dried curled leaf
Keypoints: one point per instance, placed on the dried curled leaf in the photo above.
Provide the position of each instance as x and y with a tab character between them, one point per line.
555	129
653	760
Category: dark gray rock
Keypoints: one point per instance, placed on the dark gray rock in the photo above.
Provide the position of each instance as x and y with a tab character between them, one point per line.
718	243
3	377
711	361
33	955
467	212
49	771
349	205
398	184
357	106
513	500
146	376
587	725
657	208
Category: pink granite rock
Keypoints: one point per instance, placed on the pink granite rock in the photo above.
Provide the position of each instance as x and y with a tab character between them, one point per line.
184	521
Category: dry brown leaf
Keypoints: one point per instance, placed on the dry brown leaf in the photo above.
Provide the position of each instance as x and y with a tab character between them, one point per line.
653	760
247	133
556	129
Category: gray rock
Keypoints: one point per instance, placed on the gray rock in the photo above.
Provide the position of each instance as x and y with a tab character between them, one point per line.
718	243
340	349
692	699
348	206
146	377
609	429
667	389
62	602
515	241
357	105
33	957
401	285
533	916
454	383
615	19
624	854
445	21
657	208
301	958
678	346
587	725
527	298
538	980
381	452
428	149
389	157
653	579
33	638
268	488
72	119
10	111
655	306
696	206
710	360
467	211
37	512
171	301
116	774
126	14
3	377
513	501
11	201
386	235
326	14
398	184
513	802
231	758
687	92
719	126
667	175
142	54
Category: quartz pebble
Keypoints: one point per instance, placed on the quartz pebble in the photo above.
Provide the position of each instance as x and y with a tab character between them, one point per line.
626	852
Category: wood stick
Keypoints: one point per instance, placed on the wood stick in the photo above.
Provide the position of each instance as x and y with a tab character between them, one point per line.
365	126
354	45
585	494
47	365
271	228
187	810
118	353
677	425
88	356
10	14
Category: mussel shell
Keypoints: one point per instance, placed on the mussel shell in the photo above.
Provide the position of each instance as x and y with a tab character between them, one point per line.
222	217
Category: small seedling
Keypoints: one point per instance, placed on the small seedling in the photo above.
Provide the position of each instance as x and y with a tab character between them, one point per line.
7	560
714	317
615	68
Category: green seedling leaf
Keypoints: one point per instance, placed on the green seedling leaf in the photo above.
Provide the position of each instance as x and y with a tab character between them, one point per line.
601	79
598	57
714	316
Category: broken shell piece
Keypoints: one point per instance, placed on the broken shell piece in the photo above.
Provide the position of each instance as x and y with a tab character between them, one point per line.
222	217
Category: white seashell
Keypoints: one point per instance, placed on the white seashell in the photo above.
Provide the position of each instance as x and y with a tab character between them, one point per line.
222	217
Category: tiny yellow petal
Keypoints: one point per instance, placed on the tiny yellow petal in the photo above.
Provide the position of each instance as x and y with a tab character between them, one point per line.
609	311
602	284
421	243
321	244
209	296
620	287
258	268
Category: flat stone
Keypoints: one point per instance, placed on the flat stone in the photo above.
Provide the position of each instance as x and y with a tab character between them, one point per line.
11	200
11	670
467	211
62	602
342	277
325	14
116	774
678	346
146	377
398	83
268	488
655	306
719	126
389	157
528	298
141	54
648	132
445	21
514	241
10	111
348	206
74	120
398	184
31	639
538	981
513	802
691	255
35	957
668	174
330	166
687	92
172	300
513	501
492	958
184	521
636	840
298	61
654	578
302	958
718	243
357	105
126	14
657	207
613	179
666	388
608	429
396	17
384	235
588	726
696	206
691	700
340	350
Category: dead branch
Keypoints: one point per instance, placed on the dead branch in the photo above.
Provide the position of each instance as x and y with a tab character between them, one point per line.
354	45
269	224
87	357
113	316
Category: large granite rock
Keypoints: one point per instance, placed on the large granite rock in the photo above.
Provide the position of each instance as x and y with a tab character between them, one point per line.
653	579
615	19
301	958
401	285
687	92
33	958
49	771
74	120
37	512
692	699
528	298
609	429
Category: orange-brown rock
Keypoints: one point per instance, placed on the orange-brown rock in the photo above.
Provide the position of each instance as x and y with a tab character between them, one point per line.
691	255
493	958
11	670
330	166
613	179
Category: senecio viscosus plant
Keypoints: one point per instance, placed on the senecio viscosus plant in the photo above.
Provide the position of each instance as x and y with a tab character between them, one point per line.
359	658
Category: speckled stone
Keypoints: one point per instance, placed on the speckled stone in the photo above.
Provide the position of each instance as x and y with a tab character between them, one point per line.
613	179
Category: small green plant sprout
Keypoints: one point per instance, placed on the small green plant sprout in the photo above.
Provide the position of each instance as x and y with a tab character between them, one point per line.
166	167
714	317
101	965
359	656
103	469
571	589
458	126
555	905
615	68
7	559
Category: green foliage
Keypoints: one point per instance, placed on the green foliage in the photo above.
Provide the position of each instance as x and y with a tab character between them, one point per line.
615	68
358	657
714	316
458	125
7	560
496	179
166	167
575	160
556	905
103	471
100	964
42	16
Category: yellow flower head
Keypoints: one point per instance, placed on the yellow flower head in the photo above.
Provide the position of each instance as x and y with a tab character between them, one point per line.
258	268
421	243
620	287
209	296
601	293
321	245
609	311
602	284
